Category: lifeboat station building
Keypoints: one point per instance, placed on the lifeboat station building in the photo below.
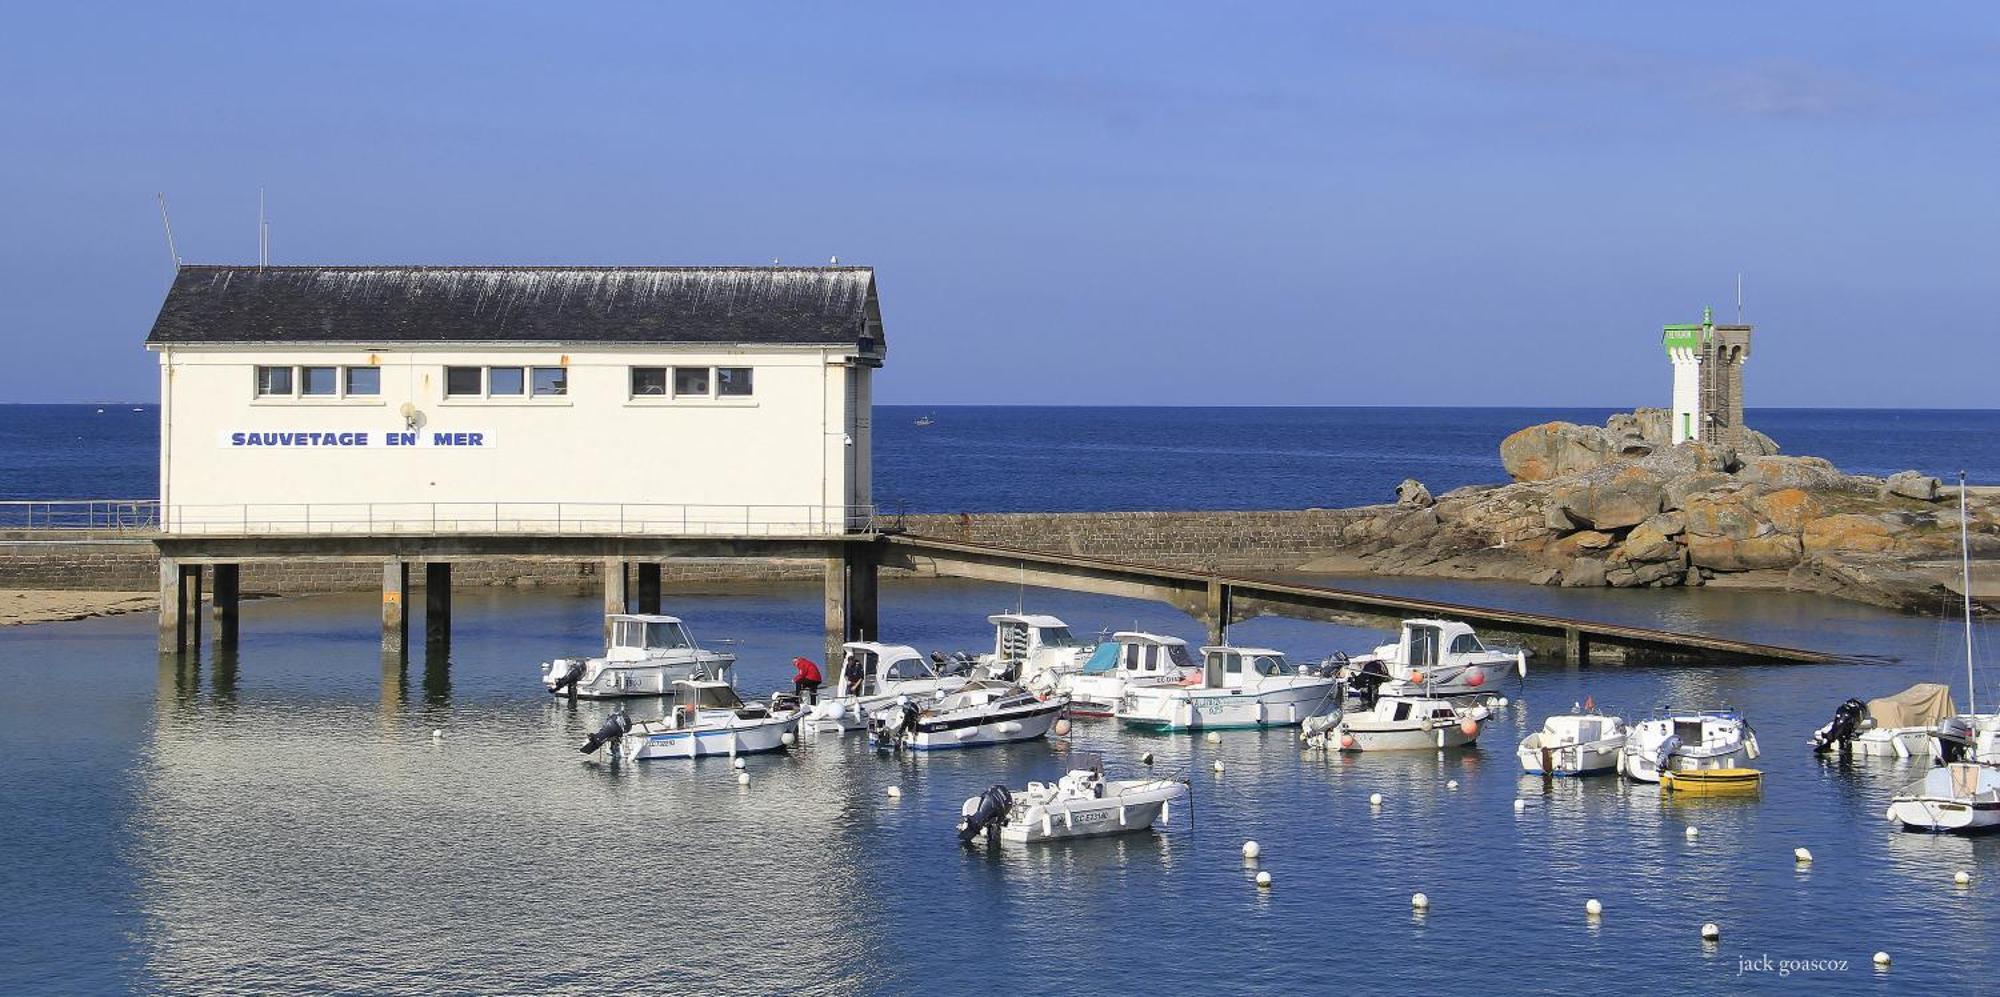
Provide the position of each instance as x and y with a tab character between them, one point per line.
434	401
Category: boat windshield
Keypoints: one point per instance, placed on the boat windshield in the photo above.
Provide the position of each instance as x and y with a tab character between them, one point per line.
1178	656
908	670
708	697
1466	644
666	636
1272	664
1057	637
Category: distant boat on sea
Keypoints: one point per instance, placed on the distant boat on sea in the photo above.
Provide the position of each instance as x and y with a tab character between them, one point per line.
925	419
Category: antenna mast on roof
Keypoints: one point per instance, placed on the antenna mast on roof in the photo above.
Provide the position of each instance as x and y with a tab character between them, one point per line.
1739	297
263	233
169	225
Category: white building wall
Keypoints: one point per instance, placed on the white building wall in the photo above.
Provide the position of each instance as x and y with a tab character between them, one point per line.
772	462
1687	417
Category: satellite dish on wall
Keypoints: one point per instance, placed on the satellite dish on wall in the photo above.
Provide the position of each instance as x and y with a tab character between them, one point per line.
411	417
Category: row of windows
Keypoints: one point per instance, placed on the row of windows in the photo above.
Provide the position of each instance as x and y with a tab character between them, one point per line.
691	382
505	382
318	382
502	382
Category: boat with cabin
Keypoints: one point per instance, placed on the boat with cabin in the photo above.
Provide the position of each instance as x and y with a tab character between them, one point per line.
1958	798
1437	658
1574	744
1131	659
1034	649
873	675
1685	741
1237	687
709	719
1398	723
646	655
1081	804
979	713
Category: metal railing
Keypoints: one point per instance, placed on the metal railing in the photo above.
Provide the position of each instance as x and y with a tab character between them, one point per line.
595	518
94	515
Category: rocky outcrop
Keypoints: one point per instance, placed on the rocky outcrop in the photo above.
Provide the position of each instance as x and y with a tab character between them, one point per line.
1617	506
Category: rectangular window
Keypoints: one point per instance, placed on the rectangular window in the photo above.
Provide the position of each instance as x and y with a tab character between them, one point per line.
462	381
274	381
690	381
649	381
503	381
551	381
364	380
732	381
318	381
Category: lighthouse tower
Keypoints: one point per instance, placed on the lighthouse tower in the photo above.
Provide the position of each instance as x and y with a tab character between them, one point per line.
1708	379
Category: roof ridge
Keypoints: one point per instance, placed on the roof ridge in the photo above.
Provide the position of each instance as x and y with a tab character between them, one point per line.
509	268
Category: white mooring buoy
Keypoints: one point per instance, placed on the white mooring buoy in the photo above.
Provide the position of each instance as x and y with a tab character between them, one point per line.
1146	759
737	763
1214	738
1709	932
743	778
1961	878
788	739
1218	766
1264	880
1881	958
1419	901
1375	799
1452	784
1802	856
1592	907
1693	832
1251	849
1062	727
895	792
1520	804
437	733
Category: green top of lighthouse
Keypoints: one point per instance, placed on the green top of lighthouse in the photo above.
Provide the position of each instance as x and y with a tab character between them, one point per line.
1688	337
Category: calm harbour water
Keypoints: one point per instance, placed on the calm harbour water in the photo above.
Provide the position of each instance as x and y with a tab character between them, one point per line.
281	820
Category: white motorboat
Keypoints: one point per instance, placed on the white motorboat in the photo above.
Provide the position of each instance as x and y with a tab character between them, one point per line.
1082	804
871	676
1034	650
1437	658
1237	687
976	714
647	655
1687	742
1574	744
1959	798
1898	726
1398	723
1131	659
709	719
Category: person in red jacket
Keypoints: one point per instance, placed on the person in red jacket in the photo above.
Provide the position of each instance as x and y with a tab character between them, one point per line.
806	680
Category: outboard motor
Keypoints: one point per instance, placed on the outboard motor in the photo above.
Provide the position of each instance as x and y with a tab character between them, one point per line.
614	729
1846	720
570	677
1366	683
1953	737
984	812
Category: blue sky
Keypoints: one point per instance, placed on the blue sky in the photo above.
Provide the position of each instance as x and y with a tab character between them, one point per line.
1067	203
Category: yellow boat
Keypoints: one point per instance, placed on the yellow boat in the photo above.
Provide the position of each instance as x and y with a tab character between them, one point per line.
1712	782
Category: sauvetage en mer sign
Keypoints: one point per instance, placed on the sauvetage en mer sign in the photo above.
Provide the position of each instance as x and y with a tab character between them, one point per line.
361	439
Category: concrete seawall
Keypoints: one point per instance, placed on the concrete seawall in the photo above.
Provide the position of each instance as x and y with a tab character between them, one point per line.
1209	541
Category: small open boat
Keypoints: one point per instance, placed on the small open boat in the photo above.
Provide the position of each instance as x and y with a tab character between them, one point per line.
1712	782
1573	744
979	713
709	719
1082	804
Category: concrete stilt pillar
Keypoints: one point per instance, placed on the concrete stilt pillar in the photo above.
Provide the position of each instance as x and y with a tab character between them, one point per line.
190	635
228	592
836	604
649	586
437	602
863	603
171	624
614	592
1217	614
395	618
1576	647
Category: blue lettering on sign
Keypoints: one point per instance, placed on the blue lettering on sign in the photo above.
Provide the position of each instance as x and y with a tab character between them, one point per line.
350	439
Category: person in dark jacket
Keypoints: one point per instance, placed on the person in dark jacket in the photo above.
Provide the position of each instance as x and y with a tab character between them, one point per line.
805	680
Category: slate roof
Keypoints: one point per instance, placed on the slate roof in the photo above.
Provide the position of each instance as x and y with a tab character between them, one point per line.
831	305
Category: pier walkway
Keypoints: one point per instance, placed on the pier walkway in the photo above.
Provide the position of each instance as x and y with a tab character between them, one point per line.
632	547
